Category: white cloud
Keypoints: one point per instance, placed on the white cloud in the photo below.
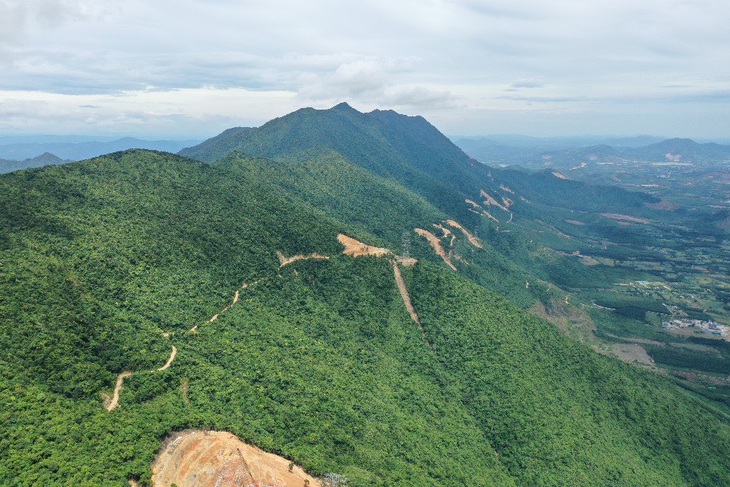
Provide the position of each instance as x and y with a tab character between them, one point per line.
173	113
447	58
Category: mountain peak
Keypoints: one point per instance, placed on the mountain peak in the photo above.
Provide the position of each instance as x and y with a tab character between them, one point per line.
344	106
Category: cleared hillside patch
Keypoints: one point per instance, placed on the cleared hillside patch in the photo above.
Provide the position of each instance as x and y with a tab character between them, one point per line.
218	458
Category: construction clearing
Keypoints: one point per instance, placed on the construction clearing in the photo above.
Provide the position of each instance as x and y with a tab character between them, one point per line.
218	458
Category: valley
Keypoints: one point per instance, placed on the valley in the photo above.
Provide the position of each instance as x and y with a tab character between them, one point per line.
668	260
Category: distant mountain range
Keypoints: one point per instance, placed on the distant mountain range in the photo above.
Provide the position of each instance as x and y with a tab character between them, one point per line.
73	149
536	153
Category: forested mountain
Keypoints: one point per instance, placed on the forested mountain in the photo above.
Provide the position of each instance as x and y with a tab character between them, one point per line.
45	159
224	290
407	149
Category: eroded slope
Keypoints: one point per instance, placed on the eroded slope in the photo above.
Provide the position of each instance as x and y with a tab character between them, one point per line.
218	458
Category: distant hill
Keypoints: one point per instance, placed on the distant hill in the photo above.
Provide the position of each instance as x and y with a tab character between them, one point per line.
45	159
78	150
537	153
685	150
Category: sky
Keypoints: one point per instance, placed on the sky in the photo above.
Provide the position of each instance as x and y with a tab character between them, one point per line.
192	68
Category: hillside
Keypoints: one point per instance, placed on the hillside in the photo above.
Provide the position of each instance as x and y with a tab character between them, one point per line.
534	227
389	148
406	149
167	269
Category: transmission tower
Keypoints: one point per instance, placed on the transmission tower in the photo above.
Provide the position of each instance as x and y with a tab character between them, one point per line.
406	244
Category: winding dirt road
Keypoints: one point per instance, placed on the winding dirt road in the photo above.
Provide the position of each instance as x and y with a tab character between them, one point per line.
407	299
169	361
435	243
114	403
284	260
472	239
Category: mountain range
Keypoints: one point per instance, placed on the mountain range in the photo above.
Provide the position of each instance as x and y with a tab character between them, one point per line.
347	290
562	153
69	149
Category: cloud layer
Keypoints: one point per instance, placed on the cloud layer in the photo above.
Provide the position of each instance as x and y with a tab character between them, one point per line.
470	66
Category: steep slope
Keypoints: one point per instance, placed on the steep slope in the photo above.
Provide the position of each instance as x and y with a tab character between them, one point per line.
568	250
343	190
391	212
407	149
110	263
316	149
415	154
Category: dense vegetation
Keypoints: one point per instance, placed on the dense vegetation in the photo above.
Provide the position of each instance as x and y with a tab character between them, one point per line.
318	361
107	264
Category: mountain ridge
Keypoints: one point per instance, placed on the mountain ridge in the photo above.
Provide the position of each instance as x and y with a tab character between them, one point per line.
79	150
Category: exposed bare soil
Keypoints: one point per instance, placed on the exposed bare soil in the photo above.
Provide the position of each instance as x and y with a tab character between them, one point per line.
472	239
436	245
356	248
625	218
236	297
406	261
217	458
576	324
407	299
474	205
447	233
283	260
114	403
169	360
477	208
663	205
587	260
569	319
629	353
404	293
490	201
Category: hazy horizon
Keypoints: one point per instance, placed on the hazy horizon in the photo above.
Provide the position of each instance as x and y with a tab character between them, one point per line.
73	138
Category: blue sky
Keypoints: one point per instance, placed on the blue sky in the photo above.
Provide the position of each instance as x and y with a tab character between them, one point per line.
191	68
